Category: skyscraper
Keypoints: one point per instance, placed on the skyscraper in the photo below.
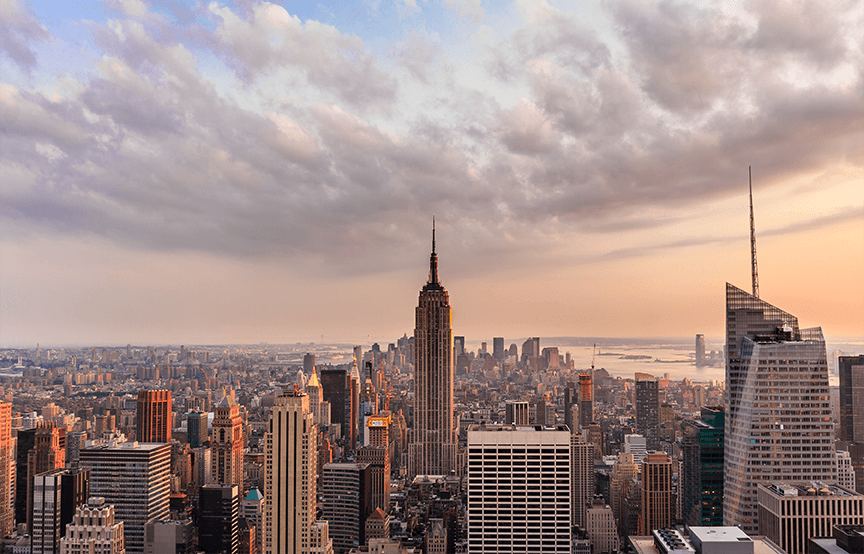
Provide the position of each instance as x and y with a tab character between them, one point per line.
45	525
226	458
433	451
586	399
218	525
290	467
516	412
197	428
581	478
46	455
648	410
336	389
7	461
778	404
657	507
498	349
851	398
153	420
518	489
135	478
702	469
700	350
347	495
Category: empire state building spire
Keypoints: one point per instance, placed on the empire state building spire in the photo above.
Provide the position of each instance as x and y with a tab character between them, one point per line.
433	283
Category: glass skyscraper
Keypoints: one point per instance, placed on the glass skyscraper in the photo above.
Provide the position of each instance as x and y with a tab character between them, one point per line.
778	421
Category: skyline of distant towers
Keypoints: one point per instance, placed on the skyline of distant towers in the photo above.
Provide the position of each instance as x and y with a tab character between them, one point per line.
778	404
433	450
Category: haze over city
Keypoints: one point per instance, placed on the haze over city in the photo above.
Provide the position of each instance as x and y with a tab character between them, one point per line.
239	173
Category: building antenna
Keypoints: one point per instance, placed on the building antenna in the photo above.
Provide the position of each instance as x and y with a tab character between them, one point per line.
753	267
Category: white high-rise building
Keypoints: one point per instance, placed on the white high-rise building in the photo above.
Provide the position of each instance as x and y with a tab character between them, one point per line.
778	419
290	467
518	489
93	530
636	445
845	472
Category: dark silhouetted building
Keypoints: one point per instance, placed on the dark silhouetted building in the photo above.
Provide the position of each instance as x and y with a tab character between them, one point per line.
218	525
702	469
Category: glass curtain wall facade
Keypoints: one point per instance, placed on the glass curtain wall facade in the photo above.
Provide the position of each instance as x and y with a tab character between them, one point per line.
778	421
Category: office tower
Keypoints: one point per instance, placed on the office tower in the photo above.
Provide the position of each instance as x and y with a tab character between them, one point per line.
377	525
45	512
154	416
622	474
226	445
433	451
252	509
657	507
551	357
197	428
790	515
26	440
170	536
74	492
46	455
377	455
700	350
7	470
320	541
56	496
347	502
313	389
308	363
518	489
648	410
516	413
636	445
74	441
586	399
601	528
498	349
701	476
135	478
290	467
355	403
581	477
458	345
358	354
530	349
851	398
571	400
218	524
336	389
778	401
845	472
94	530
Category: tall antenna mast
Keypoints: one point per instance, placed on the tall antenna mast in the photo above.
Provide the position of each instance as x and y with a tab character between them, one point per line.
753	266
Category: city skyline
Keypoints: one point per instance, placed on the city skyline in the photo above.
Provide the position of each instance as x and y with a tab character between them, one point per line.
587	173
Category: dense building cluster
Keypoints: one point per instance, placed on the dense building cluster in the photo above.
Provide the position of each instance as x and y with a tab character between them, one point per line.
423	445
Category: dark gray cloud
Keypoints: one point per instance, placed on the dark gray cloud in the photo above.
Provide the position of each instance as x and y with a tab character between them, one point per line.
150	153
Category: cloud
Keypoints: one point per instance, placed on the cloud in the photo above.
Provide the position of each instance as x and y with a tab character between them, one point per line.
19	30
271	38
467	10
155	148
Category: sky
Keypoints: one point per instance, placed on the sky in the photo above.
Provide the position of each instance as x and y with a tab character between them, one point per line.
209	172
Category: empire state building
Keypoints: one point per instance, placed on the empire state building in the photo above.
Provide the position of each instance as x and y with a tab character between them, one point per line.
433	449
